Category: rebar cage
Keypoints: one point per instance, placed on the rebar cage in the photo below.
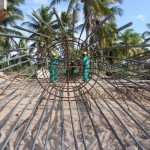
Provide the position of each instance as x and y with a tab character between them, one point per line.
110	111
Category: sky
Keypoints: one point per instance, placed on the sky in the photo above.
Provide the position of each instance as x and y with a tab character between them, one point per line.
136	11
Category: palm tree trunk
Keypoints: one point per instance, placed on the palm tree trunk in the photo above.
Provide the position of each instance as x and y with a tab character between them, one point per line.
89	24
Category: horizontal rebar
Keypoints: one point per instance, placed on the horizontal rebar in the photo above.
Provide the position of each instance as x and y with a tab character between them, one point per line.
127	112
50	120
129	97
40	121
9	67
21	37
81	125
23	29
14	108
93	125
17	57
19	118
126	59
19	85
130	81
29	120
15	76
117	30
126	46
118	120
17	49
111	33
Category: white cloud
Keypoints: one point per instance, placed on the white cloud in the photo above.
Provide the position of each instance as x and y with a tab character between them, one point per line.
44	2
140	17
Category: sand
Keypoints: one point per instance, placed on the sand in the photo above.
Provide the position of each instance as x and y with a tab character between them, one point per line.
28	109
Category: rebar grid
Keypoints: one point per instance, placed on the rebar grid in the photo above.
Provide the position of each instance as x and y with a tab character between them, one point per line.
110	111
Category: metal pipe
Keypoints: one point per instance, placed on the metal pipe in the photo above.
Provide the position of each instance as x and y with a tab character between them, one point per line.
126	46
17	49
118	120
93	125
115	31
14	108
29	120
134	71
127	112
126	59
23	29
22	37
41	118
14	65
147	89
62	122
50	119
81	125
129	97
49	124
18	119
15	58
40	122
130	81
7	96
73	128
15	76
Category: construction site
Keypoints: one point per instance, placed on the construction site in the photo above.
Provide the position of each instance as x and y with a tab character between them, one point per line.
65	93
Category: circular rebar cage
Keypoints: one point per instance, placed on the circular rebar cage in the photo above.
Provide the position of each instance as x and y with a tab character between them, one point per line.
109	111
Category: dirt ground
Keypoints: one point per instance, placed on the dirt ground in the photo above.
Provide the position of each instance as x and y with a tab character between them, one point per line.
26	114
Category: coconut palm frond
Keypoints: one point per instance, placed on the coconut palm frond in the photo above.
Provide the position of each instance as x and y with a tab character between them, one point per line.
17	2
10	19
147	40
54	2
11	31
117	11
79	27
146	34
148	25
71	6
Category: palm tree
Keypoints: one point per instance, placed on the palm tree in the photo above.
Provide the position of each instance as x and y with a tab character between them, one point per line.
66	20
13	14
99	9
129	37
37	26
146	35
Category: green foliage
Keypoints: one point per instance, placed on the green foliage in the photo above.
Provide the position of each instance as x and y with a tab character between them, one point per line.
146	35
13	13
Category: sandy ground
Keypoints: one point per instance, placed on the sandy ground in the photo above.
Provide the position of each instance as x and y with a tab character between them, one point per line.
23	114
